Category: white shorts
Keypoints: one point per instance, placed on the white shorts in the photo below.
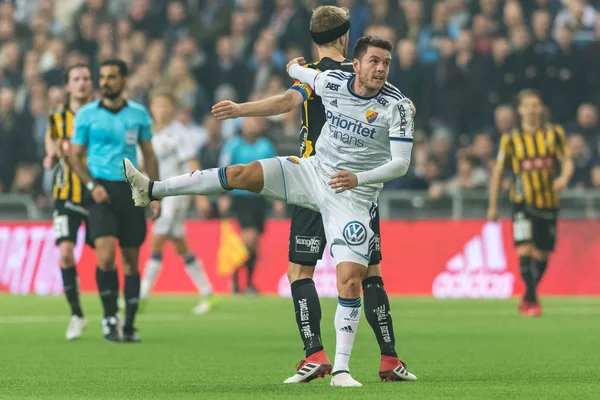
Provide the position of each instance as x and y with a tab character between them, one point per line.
347	219
172	218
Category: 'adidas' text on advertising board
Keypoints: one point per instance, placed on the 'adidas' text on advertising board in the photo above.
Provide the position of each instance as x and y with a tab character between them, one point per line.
479	271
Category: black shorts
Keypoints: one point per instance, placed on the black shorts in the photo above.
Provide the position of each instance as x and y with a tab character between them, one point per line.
535	226
250	211
119	217
66	220
307	237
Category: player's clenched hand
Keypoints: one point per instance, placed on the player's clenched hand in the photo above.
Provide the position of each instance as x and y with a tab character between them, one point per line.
99	194
560	184
297	60
343	180
156	208
226	110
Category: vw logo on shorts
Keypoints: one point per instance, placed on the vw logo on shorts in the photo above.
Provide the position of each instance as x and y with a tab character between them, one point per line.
355	233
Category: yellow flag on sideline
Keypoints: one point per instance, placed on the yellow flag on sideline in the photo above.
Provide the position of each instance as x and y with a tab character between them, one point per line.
232	251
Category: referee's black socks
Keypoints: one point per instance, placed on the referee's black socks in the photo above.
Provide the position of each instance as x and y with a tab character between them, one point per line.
377	311
308	314
132	298
71	287
108	288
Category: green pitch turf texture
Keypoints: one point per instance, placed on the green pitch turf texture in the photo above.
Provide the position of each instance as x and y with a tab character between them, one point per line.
244	350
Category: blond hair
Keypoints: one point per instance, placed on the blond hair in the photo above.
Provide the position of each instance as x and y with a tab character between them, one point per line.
164	93
325	18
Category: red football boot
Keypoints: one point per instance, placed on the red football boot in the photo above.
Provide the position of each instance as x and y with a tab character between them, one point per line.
524	307
315	366
535	310
394	369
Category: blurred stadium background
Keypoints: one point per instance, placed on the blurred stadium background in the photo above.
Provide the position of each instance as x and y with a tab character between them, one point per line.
461	62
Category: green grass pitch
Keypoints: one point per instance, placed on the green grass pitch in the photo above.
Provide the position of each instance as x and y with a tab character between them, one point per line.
244	350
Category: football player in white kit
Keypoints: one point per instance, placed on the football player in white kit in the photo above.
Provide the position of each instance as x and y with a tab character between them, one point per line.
366	141
176	156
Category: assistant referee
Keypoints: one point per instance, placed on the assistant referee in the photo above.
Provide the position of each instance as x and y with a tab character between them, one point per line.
107	131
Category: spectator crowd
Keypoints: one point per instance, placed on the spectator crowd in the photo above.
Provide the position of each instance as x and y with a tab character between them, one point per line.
460	61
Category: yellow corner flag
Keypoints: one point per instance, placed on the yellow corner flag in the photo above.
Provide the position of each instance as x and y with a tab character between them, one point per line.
232	251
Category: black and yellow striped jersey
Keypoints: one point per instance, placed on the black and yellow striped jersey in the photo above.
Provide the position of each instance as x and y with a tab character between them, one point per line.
313	111
533	158
67	185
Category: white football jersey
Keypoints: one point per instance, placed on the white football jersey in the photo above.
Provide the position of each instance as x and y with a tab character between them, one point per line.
173	149
357	132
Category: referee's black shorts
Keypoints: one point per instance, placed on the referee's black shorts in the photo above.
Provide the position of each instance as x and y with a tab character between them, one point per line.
250	211
307	237
119	217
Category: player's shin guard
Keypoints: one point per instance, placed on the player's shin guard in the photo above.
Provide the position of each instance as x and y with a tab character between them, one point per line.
194	268
132	297
377	311
346	320
528	278
540	267
70	284
308	314
205	182
108	288
151	271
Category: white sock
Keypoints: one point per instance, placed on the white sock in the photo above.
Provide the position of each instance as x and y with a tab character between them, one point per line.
194	268
153	266
205	182
346	320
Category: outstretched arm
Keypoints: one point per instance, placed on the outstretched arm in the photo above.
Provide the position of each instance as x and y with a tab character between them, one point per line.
274	105
304	75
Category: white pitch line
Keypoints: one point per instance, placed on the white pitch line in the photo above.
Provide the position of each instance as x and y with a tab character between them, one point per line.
550	312
43	319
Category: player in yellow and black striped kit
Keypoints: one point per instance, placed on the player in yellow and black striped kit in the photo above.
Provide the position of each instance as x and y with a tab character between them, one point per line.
533	152
69	194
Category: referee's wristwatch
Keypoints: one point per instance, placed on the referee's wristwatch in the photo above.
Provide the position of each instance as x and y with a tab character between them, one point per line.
90	186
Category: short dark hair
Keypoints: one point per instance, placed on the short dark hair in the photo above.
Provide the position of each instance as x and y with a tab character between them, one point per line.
364	42
67	74
115	62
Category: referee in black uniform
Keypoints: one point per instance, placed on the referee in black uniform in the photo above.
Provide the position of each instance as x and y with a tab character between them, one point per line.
107	131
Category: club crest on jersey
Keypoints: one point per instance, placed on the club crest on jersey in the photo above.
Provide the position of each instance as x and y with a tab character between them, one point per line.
371	116
293	160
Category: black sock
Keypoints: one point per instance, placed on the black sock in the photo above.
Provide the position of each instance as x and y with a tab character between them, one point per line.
528	278
250	265
69	277
308	314
235	280
132	297
540	268
377	311
108	287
